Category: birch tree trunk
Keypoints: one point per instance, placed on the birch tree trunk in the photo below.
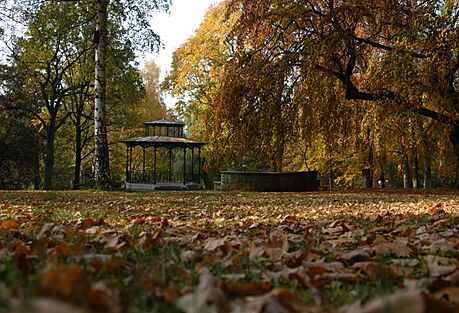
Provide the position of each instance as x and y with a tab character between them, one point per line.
101	161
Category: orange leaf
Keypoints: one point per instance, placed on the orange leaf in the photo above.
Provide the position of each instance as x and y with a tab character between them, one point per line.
248	289
10	224
65	282
97	300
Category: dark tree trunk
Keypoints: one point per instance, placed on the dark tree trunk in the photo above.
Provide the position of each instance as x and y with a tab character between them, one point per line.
49	162
36	169
407	182
454	138
416	171
78	148
367	175
331	184
425	157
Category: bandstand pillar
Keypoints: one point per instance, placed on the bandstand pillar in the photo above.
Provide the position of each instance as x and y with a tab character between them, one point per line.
170	164
184	165
199	166
154	165
143	165
192	164
127	164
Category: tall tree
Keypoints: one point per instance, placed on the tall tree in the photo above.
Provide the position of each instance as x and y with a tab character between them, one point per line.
101	155
365	47
47	60
134	14
152	106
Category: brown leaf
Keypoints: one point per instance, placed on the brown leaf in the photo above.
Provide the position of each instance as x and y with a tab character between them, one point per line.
440	266
451	294
44	229
357	255
393	248
453	277
115	243
97	299
409	301
207	298
45	305
65	282
375	270
246	289
21	251
9	224
214	244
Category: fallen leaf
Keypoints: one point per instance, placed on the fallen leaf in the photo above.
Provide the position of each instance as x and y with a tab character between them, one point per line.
246	289
207	297
360	255
440	266
9	224
65	282
393	248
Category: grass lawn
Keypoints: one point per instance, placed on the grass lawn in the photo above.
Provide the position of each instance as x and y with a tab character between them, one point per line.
362	251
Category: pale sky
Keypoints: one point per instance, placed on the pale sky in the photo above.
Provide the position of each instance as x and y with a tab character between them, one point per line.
175	28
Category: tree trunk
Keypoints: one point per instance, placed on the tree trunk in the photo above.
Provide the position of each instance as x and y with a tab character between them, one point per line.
49	162
454	138
425	157
78	148
101	161
416	171
36	169
367	178
406	169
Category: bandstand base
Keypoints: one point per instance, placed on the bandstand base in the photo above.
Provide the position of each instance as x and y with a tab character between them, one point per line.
161	186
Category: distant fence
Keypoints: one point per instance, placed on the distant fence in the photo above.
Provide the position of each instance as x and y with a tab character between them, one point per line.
269	181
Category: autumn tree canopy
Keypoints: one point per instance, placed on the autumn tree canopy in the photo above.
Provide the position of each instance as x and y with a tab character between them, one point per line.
298	76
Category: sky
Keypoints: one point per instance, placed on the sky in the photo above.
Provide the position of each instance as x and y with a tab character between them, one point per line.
175	28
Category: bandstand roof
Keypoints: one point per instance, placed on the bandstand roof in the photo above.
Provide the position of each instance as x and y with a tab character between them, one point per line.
162	141
164	123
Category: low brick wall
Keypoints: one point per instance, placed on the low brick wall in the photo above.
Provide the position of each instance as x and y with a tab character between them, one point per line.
268	181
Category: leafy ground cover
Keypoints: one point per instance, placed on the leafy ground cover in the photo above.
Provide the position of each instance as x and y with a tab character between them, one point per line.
372	251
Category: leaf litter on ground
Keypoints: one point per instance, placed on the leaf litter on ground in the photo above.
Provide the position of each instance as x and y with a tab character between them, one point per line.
362	251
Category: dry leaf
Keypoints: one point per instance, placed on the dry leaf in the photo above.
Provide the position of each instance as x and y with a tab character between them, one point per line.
207	297
214	244
67	283
9	224
393	248
365	254
440	266
246	289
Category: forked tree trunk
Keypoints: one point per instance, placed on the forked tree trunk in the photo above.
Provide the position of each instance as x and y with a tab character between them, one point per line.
101	160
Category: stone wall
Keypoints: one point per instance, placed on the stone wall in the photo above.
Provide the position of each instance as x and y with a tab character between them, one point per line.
268	181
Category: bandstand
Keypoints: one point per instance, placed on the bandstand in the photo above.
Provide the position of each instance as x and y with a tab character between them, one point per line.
163	159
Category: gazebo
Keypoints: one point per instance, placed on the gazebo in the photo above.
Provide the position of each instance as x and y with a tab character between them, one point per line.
167	159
